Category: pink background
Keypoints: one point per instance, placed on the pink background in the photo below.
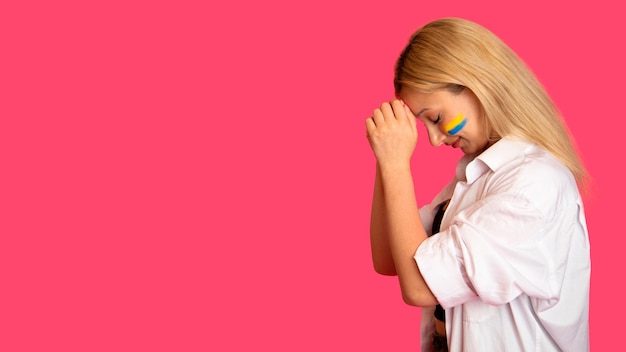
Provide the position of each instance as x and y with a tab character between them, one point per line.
188	177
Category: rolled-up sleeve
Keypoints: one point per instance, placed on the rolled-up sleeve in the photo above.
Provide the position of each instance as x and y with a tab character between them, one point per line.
440	266
493	250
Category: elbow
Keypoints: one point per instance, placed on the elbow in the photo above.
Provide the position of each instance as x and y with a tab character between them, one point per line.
410	300
386	269
419	299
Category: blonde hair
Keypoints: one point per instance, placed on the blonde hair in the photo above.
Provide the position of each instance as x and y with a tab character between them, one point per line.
452	53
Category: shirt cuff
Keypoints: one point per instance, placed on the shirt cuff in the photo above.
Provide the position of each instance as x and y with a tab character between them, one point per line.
443	270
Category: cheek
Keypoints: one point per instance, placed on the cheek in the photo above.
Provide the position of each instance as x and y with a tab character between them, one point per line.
456	124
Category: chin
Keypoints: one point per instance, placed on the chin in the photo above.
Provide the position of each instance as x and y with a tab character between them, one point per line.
469	150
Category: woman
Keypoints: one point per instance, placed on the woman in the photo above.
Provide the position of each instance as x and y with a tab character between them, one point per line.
500	258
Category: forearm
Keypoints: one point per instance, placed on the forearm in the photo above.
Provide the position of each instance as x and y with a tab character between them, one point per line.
405	232
392	134
381	252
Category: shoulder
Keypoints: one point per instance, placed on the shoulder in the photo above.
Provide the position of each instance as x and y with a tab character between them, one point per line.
528	164
538	177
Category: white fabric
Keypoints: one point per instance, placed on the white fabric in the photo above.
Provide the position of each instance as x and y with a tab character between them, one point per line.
511	265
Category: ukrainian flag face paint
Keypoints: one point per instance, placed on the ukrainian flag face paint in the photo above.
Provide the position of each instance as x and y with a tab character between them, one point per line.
453	127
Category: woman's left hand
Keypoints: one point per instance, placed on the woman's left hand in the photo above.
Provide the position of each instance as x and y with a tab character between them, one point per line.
392	133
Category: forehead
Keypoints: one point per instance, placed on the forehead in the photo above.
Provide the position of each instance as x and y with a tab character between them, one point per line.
420	102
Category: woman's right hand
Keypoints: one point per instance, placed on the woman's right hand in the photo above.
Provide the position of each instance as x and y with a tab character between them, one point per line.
392	133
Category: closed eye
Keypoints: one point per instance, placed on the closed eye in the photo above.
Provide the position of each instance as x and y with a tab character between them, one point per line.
437	119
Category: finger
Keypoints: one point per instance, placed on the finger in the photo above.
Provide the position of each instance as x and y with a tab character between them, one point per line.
387	111
412	119
407	110
370	126
378	117
398	109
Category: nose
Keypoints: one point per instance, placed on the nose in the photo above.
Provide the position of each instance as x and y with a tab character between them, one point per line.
435	136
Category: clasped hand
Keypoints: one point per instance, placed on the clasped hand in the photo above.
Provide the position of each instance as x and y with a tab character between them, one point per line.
392	133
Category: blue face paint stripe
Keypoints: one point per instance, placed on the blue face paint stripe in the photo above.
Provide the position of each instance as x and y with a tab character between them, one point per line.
458	127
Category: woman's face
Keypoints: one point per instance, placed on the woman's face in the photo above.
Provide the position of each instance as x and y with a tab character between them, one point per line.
452	119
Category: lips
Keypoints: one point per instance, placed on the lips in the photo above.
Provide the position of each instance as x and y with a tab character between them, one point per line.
455	144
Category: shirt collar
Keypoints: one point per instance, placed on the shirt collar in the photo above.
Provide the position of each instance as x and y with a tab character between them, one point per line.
471	167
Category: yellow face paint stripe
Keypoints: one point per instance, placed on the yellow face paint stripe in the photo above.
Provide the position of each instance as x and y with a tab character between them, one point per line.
457	123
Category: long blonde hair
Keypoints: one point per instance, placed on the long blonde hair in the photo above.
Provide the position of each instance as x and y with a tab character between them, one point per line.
451	52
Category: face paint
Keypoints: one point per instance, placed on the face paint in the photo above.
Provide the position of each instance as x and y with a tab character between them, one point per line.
457	124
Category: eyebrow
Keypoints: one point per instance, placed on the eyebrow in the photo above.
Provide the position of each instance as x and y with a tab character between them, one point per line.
421	111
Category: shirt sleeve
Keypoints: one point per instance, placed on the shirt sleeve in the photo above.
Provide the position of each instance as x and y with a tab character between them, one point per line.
493	250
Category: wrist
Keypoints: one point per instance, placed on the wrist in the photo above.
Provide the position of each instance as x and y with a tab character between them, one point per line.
395	168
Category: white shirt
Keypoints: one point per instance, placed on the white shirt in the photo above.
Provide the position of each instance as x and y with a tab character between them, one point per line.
511	265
